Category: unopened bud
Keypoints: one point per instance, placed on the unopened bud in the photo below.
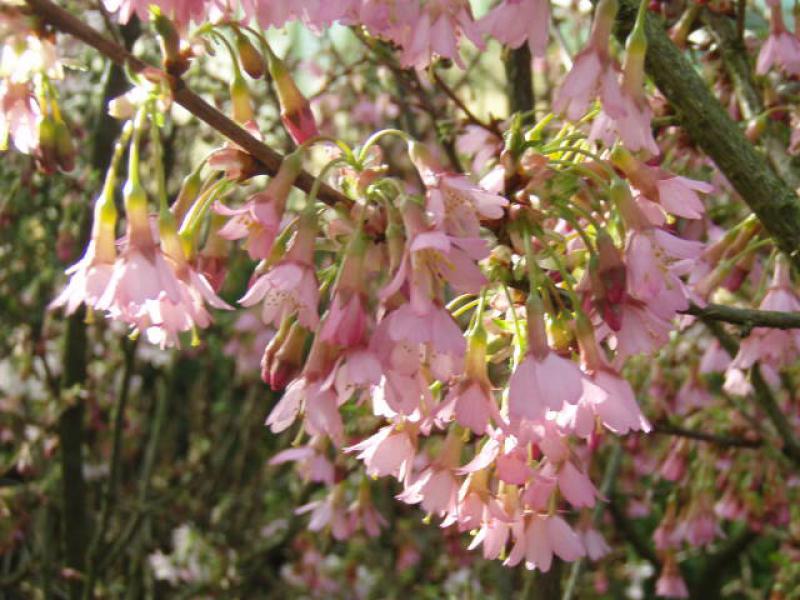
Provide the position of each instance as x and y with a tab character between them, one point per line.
64	146
295	110
48	157
284	359
174	61
251	59
241	103
190	189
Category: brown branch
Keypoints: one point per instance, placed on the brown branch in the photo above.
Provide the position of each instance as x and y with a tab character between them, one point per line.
745	316
65	22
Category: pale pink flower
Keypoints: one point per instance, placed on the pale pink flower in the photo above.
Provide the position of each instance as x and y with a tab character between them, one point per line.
608	398
363	514
674	194
512	466
389	452
290	287
473	405
575	486
540	537
430	257
481	145
258	221
772	346
329	512
435	327
514	22
541	384
89	277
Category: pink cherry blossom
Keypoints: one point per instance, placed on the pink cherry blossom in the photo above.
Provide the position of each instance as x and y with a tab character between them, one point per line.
541	384
290	287
388	452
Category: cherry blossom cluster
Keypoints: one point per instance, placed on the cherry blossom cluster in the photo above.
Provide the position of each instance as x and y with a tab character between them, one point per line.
467	338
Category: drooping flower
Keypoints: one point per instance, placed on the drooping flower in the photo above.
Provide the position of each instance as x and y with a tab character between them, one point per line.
543	380
290	287
260	218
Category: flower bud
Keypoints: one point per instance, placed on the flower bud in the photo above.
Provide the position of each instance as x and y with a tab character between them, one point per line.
190	189
295	110
251	59
175	62
241	103
622	198
48	156
283	357
64	147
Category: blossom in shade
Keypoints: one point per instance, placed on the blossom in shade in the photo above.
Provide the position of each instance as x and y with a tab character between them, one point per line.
670	583
674	194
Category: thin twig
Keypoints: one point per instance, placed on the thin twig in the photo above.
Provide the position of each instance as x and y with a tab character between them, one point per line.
702	436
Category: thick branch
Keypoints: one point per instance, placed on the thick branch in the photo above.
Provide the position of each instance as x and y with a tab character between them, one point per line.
734	57
745	316
519	78
773	201
65	22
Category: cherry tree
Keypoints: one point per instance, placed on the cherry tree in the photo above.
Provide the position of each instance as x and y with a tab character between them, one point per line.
553	309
